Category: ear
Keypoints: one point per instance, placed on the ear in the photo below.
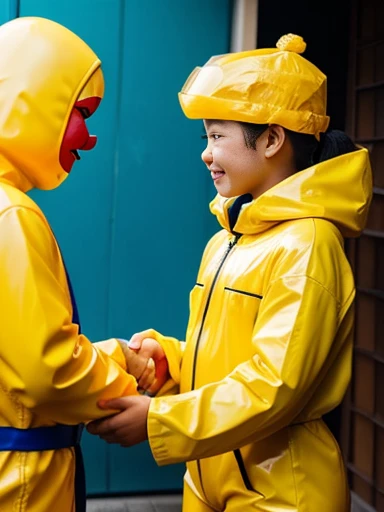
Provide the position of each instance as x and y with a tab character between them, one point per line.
276	139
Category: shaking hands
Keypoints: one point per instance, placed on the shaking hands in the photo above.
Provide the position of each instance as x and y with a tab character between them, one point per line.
146	361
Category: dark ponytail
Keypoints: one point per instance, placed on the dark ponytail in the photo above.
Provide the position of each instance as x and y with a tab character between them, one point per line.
332	144
308	151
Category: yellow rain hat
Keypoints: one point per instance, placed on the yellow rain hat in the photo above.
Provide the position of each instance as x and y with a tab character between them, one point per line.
264	86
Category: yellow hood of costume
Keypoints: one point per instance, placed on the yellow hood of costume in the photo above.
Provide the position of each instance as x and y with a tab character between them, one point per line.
44	67
338	190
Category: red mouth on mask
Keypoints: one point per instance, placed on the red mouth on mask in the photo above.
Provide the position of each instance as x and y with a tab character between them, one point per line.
76	137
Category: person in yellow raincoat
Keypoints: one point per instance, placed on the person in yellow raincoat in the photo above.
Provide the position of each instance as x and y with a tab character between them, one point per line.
51	376
269	341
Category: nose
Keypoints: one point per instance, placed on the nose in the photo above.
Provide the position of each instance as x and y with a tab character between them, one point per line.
206	156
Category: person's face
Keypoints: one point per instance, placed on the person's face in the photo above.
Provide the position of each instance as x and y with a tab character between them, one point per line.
235	168
76	136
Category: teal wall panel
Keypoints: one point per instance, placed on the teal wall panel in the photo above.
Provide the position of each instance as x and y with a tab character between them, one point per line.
162	221
133	217
8	9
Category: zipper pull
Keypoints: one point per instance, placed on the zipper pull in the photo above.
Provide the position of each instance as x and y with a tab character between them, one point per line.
234	241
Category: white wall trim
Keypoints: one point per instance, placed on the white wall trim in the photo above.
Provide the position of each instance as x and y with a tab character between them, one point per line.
244	25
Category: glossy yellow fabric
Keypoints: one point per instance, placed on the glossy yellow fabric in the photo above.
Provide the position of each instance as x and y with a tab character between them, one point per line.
43	69
48	372
263	86
274	334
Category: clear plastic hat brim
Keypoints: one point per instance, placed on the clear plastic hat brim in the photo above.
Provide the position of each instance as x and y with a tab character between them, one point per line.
200	107
203	81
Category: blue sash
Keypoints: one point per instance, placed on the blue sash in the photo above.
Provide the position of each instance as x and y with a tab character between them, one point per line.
52	438
40	438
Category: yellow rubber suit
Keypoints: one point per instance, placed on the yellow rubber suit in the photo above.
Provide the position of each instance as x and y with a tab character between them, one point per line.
269	341
268	350
49	373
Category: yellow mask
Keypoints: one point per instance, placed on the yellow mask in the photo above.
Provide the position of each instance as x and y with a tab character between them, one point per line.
265	86
44	69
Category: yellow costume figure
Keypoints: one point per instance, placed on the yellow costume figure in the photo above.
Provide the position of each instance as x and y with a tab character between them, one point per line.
51	376
269	341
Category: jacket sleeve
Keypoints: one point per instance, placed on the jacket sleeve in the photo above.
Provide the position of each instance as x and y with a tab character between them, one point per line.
51	368
112	349
295	329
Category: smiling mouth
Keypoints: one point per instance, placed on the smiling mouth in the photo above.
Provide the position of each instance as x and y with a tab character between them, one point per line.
217	174
75	153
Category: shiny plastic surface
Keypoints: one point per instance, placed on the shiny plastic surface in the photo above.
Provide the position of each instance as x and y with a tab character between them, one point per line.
43	69
263	86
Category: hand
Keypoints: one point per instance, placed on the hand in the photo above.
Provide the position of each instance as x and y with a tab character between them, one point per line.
148	348
126	428
137	364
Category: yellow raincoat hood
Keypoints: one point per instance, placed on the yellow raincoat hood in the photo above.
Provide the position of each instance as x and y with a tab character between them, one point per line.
43	69
338	190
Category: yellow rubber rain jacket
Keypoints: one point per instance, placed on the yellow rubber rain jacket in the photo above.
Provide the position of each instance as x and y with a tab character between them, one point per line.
268	349
49	373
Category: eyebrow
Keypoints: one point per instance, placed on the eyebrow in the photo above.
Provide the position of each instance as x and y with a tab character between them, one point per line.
215	123
210	122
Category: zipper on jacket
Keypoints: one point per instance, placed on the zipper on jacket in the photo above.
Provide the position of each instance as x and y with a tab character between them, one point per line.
243	472
231	244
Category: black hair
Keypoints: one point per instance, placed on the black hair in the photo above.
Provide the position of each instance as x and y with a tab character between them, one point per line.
252	132
306	148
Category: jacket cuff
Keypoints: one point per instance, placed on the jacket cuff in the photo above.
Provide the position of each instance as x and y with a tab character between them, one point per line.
157	432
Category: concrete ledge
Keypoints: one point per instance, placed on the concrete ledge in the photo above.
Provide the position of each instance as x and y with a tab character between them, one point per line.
168	503
171	503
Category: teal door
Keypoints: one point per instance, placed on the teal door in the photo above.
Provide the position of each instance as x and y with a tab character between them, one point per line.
133	218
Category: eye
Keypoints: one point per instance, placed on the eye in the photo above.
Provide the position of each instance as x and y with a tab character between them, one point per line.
84	112
214	136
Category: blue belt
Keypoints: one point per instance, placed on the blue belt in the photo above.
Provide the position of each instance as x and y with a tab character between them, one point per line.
39	439
49	438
